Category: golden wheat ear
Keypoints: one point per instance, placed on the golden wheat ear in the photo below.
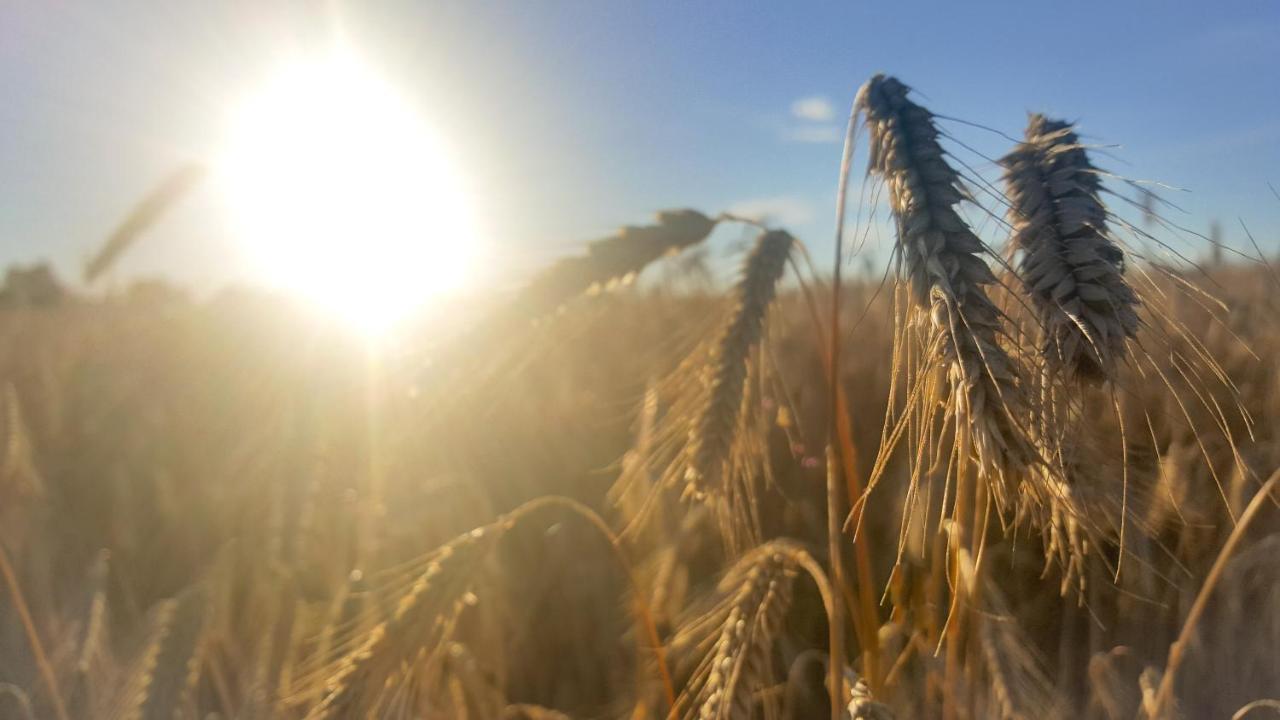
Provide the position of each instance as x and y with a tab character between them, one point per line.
164	676
91	639
941	260
614	259
708	444
1070	266
738	633
712	434
143	216
419	624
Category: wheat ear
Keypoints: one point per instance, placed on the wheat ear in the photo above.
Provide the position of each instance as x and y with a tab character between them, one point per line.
1072	269
761	593
725	374
414	626
170	664
175	186
616	258
91	640
942	260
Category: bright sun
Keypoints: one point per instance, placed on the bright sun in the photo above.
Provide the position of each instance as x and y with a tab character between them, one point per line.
344	196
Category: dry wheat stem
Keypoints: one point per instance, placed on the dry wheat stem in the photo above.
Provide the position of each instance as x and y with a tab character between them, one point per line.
33	638
1177	651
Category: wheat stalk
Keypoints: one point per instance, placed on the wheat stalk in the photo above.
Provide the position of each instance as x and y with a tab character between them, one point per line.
1071	268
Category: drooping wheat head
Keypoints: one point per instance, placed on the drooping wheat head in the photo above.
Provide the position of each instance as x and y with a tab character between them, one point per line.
616	258
418	624
1071	268
739	633
708	442
941	259
164	676
724	378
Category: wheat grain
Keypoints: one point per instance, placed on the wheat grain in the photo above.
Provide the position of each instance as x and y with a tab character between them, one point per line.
862	706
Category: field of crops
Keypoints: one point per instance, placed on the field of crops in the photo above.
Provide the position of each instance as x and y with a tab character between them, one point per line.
1042	484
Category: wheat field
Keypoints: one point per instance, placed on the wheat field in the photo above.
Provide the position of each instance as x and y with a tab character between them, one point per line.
1033	475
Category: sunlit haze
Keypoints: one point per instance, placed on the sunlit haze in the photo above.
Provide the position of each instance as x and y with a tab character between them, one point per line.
341	192
527	360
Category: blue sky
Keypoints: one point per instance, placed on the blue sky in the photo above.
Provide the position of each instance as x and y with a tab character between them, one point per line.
571	118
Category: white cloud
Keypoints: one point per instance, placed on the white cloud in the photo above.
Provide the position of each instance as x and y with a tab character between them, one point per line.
815	108
783	210
825	133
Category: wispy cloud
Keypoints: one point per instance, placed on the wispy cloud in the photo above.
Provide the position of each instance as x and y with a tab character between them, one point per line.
815	108
788	210
811	121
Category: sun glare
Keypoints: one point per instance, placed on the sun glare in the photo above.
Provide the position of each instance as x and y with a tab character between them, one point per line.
343	195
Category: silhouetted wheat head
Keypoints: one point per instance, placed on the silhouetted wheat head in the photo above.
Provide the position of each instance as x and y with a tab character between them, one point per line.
709	443
616	258
1072	269
942	262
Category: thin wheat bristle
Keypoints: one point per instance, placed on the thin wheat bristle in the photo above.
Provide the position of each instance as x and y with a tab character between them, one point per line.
725	375
1072	269
942	260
